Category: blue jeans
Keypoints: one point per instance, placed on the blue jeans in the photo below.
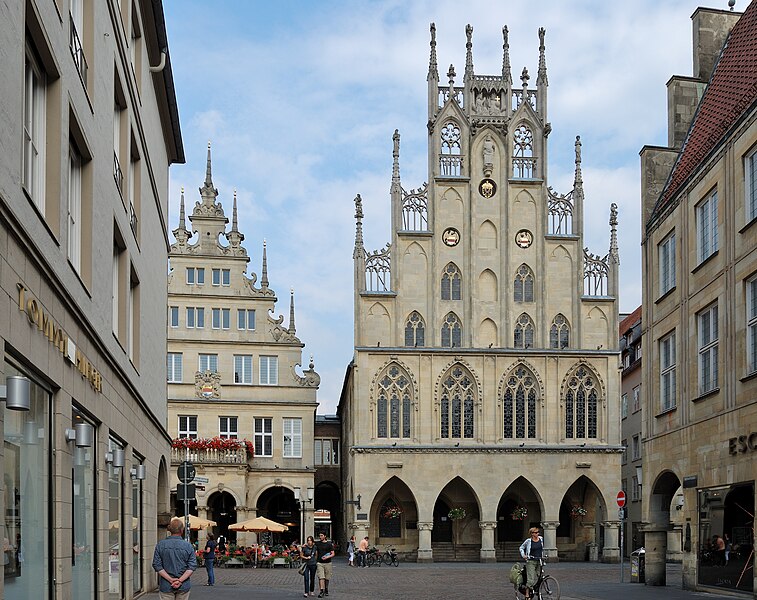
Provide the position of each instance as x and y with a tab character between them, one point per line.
209	567
310	578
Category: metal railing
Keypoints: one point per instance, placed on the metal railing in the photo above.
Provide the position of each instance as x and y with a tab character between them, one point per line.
209	456
77	51
118	175
133	220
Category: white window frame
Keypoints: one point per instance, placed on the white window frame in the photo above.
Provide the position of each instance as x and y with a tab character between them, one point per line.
246	319
215	319
115	291
635	489
636	447
173	316
228	428
74	207
243	369
624	406
751	324
624	456
33	176
707	227
262	428
190	276
187	426
216	277
268	370
292	430
636	406
195	275
174	367
750	186
225	318
226	277
707	345
207	362
667	351
667	263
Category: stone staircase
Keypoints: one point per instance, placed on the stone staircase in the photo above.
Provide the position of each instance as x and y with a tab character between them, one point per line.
508	552
444	552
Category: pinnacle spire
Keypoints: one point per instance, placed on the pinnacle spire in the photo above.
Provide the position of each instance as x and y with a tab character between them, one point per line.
614	257
468	53
208	170
264	270
578	178
433	72
542	76
292	328
358	226
180	233
207	191
396	157
451	75
234	225
182	212
506	75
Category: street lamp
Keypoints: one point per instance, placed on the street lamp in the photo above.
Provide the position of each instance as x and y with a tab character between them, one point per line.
301	503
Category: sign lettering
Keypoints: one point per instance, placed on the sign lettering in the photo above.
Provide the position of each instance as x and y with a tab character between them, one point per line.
743	443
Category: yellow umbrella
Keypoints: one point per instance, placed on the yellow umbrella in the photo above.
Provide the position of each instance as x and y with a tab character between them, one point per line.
259	524
117	524
196	522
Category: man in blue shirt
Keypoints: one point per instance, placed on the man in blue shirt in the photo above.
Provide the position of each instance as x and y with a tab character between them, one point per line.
174	561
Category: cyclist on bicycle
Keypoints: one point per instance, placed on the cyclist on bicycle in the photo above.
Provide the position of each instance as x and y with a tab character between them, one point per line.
532	551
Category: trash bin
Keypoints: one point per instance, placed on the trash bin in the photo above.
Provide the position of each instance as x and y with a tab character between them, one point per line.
593	552
637	566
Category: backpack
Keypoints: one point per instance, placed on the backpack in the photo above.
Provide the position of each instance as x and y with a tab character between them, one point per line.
516	573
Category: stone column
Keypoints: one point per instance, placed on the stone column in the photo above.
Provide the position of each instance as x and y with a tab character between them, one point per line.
425	553
655	544
611	550
202	534
674	552
550	540
488	552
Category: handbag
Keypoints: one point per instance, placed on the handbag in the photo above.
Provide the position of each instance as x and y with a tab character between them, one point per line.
516	573
302	568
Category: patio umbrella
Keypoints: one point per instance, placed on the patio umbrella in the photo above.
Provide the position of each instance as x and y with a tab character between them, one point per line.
117	524
259	524
199	523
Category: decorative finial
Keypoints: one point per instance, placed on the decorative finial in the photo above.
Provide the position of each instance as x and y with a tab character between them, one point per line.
292	329
468	53
578	179
451	75
182	212
506	75
234	226
358	226
524	77
731	4
264	270
207	191
614	256
542	77
433	72
208	170
312	364
396	157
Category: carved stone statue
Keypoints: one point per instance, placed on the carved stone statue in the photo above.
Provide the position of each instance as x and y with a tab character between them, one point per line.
488	156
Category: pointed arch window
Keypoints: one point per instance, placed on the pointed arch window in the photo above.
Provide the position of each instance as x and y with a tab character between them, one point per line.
581	399
450	161
452	332
452	283
559	333
524	332
519	404
415	330
524	163
393	404
524	285
456	404
390	519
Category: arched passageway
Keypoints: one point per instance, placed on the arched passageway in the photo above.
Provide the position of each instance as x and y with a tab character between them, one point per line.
518	510
394	515
456	535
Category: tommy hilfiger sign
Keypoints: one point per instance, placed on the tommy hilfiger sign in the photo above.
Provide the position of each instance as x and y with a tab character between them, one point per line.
55	334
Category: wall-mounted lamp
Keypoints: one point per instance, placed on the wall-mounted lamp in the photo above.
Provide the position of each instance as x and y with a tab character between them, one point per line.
355	502
116	457
82	434
16	392
138	472
638	475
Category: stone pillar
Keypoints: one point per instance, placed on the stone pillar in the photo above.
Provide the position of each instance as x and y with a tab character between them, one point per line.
488	552
308	526
425	553
244	538
611	550
550	540
674	552
655	544
202	534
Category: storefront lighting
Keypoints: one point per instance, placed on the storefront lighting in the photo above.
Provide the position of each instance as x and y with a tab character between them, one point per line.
116	457
82	434
138	472
16	392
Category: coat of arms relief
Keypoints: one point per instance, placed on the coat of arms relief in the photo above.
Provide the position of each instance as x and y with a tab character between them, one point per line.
207	385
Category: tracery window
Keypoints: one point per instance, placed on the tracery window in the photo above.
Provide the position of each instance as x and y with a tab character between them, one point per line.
581	405
524	285
452	332
456	404
393	405
519	404
524	332
390	519
559	333
452	283
415	330
523	151
450	161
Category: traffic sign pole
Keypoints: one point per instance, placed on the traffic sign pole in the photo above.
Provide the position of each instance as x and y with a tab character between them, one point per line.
621	500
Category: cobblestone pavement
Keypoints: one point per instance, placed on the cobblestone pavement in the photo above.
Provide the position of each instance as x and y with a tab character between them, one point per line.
448	581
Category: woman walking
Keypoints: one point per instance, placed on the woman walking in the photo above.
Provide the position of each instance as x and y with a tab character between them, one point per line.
308	556
209	558
351	551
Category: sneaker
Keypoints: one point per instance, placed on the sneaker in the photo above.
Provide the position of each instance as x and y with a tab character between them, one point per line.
320	595
326	593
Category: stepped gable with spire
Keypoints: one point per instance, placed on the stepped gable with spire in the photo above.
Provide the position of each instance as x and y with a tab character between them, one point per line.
731	93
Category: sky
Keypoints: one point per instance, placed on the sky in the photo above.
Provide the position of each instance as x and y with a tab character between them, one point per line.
300	100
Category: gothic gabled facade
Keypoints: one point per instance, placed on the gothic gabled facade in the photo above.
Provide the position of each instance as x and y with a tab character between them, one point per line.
233	374
485	374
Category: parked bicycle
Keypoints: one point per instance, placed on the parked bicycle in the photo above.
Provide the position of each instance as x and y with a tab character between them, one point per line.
546	587
390	556
373	557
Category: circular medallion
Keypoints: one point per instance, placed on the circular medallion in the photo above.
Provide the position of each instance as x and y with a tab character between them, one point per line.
451	236
524	238
487	188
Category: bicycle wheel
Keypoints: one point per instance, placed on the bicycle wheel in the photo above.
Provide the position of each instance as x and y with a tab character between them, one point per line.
549	589
395	561
371	560
386	558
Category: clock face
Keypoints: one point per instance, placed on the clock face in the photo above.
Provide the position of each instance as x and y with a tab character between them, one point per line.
524	238
451	236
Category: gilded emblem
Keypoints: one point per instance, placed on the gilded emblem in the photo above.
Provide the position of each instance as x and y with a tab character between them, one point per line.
207	385
487	188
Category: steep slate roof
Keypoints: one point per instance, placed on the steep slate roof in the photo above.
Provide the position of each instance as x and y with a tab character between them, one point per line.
731	92
629	321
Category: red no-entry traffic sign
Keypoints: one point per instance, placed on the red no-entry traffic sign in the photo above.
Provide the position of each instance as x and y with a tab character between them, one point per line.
621	499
